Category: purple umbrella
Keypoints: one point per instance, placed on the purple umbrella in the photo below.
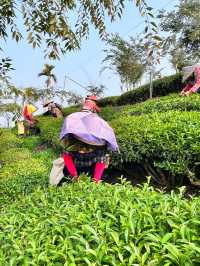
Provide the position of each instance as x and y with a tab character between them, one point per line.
89	128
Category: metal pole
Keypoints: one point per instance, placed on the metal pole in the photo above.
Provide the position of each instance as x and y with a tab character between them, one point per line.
64	83
151	84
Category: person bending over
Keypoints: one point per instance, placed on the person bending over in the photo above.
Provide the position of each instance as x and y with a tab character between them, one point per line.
87	140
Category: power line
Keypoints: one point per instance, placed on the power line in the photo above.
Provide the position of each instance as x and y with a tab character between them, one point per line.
76	82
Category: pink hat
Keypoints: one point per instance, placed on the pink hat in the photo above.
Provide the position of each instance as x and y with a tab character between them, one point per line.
91	97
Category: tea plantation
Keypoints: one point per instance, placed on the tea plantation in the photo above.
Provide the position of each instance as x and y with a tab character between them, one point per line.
88	224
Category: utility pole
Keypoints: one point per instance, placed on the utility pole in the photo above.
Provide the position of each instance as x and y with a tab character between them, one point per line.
64	83
151	83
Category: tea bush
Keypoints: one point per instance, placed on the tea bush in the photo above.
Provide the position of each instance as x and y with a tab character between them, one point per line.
160	134
86	224
169	141
161	87
167	103
108	101
50	130
71	109
8	140
22	175
22	168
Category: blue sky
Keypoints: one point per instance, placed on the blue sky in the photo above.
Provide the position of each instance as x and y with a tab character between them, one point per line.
84	65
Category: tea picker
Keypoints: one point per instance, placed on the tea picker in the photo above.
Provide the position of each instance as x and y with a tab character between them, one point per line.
30	122
87	140
53	109
191	74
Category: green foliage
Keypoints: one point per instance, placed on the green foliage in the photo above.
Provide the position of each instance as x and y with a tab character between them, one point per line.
125	59
111	112
86	224
49	25
108	101
71	109
8	140
22	168
50	131
171	102
161	87
22	173
165	140
184	24
160	133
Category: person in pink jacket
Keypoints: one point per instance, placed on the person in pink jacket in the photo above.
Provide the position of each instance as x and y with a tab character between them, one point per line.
193	86
90	104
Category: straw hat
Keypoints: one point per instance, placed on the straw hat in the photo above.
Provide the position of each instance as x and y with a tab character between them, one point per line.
187	72
47	102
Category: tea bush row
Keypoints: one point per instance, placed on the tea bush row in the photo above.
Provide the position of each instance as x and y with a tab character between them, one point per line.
167	103
161	87
161	133
168	141
86	224
22	168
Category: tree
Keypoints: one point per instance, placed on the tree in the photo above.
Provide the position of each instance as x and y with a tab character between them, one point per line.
96	90
125	59
30	94
179	58
183	25
51	78
10	111
48	21
74	98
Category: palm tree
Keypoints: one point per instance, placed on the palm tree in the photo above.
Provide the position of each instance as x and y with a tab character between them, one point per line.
51	77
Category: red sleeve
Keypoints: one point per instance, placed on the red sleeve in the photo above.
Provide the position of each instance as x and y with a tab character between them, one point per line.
187	87
25	111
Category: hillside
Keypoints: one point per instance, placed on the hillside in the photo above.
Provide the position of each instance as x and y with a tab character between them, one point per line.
160	136
88	224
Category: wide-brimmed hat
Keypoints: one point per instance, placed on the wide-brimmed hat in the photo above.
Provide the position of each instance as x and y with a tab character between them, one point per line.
47	102
187	72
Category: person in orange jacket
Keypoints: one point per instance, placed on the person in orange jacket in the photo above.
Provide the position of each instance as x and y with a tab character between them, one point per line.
28	111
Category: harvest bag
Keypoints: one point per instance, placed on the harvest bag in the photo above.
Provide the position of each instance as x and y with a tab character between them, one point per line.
56	174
